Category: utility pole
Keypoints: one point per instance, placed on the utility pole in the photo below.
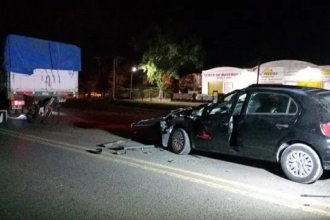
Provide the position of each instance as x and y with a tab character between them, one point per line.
258	73
114	78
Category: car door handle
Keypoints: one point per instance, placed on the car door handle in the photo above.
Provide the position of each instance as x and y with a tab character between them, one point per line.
281	126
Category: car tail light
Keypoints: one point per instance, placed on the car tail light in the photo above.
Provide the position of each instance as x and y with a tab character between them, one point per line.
17	102
325	128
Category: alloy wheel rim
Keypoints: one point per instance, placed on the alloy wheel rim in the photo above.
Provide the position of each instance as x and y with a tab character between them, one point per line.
299	164
178	140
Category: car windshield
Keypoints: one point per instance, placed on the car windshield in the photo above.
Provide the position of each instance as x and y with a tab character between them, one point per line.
211	108
199	110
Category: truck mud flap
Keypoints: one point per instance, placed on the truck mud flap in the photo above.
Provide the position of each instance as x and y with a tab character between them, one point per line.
3	116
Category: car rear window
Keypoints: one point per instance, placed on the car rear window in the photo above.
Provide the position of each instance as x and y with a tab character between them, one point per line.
324	99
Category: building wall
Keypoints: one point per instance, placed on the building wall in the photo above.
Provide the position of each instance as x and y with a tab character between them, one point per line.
287	72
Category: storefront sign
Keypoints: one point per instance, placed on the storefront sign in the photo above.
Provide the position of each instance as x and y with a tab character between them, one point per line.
272	75
218	75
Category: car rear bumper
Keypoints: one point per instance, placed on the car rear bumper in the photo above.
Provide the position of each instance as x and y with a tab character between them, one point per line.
326	159
326	165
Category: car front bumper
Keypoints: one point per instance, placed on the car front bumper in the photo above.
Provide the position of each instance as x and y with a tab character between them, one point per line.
166	131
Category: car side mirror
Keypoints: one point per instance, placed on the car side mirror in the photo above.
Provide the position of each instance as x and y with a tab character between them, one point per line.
224	110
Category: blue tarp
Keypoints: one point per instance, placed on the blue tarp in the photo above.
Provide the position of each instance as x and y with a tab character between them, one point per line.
24	54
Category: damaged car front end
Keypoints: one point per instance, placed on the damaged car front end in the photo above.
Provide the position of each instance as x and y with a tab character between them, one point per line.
181	117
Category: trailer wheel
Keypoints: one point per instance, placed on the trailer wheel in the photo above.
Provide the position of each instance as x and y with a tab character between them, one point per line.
47	113
42	111
33	114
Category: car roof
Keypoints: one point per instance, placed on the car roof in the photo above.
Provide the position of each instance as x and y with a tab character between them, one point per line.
296	89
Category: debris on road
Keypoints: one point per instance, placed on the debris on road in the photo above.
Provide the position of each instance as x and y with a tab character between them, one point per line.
118	152
113	144
96	151
120	146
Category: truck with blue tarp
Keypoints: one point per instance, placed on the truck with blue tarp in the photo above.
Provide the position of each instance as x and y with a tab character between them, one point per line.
37	75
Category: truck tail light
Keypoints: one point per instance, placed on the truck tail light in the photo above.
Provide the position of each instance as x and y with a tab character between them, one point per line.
17	102
325	128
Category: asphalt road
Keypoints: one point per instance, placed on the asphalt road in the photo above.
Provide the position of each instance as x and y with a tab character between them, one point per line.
53	171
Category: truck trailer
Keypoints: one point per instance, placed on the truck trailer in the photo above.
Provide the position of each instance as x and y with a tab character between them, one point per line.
37	75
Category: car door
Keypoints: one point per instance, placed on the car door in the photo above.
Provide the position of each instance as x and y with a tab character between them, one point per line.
267	120
212	129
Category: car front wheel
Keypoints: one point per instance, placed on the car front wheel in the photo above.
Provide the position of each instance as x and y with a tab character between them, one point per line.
301	163
180	141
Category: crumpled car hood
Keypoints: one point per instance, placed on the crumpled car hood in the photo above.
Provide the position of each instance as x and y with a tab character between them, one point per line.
147	122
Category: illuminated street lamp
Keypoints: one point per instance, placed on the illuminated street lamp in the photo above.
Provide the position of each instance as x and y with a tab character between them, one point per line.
134	69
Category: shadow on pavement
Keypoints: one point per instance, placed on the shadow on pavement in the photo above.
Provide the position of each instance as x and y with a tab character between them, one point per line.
268	166
150	135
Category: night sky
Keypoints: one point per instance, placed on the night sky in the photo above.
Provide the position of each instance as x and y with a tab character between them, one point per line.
234	33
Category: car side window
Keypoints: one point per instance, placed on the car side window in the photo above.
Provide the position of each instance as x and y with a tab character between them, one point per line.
292	107
271	103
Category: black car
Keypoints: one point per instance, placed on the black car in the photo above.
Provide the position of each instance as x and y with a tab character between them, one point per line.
285	124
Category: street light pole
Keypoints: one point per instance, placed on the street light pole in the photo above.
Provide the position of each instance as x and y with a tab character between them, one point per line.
132	72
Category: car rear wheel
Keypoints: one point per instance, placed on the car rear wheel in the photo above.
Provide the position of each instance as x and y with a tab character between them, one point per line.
180	141
301	163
